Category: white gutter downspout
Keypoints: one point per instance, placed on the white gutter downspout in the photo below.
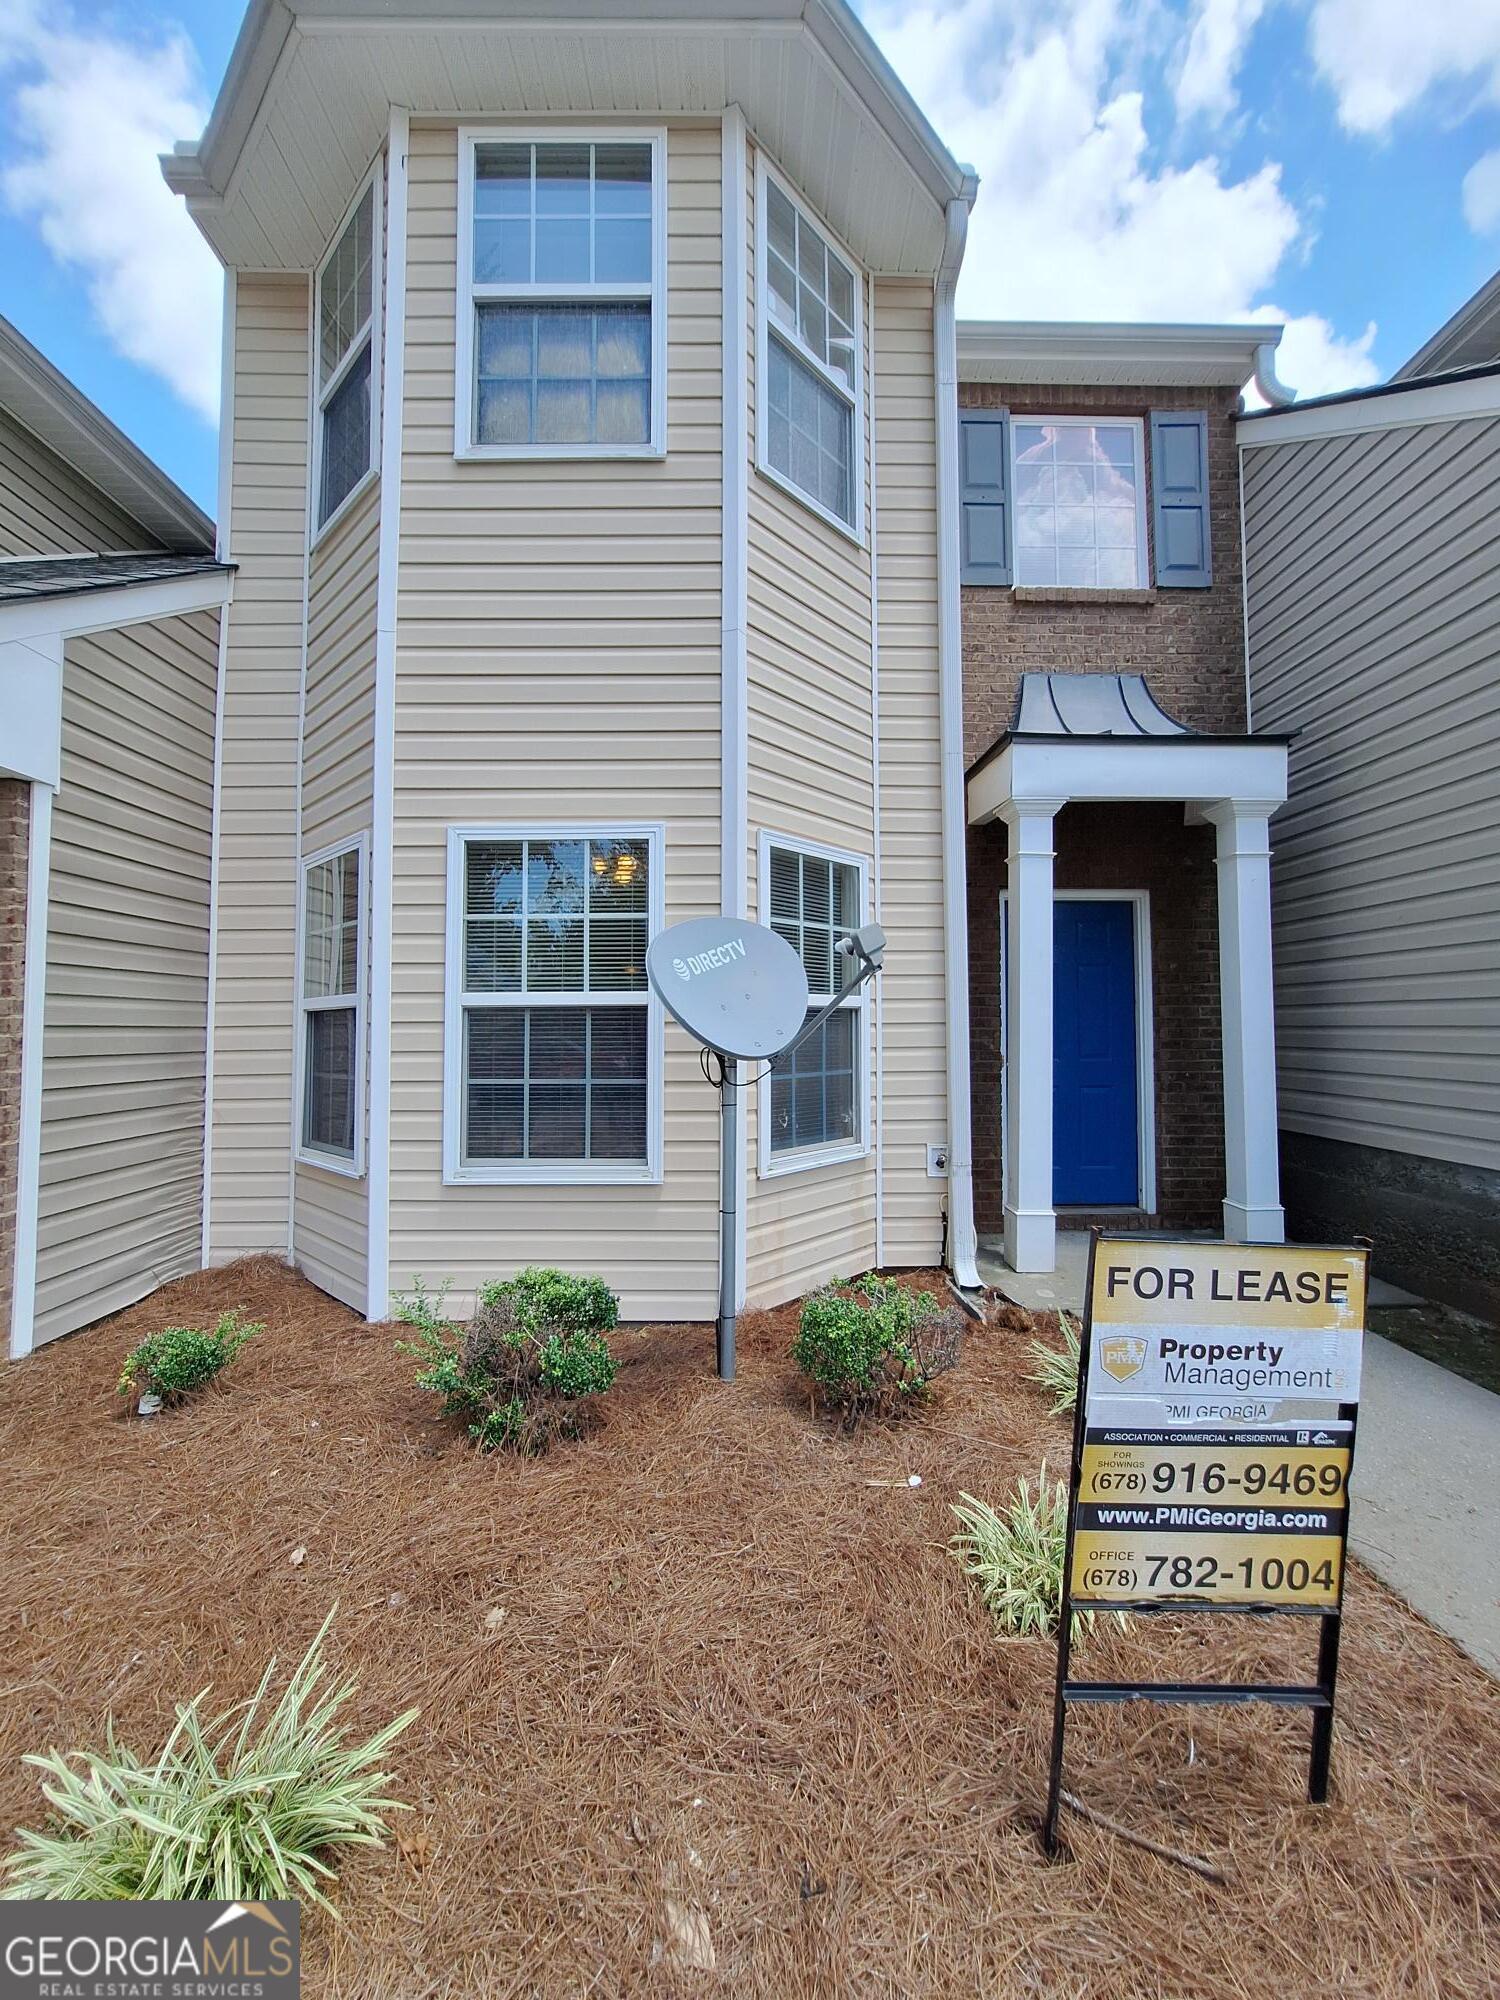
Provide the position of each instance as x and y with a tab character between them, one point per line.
962	1243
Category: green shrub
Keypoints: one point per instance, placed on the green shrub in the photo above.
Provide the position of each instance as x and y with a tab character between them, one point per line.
1057	1367
530	1364
179	1359
872	1347
1016	1558
239	1807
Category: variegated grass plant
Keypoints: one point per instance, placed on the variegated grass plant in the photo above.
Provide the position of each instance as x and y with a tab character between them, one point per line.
1056	1368
1015	1559
242	1806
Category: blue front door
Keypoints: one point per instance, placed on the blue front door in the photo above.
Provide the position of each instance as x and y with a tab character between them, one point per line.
1095	1131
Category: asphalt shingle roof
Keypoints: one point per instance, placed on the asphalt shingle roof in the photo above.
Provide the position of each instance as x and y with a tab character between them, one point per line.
64	576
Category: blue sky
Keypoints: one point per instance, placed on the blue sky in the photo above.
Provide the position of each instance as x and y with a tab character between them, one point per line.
1331	163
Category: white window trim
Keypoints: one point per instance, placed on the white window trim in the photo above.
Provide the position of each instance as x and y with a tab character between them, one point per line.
547	1173
772	1166
1137	428
322	392
1145	1035
469	295
852	531
305	1155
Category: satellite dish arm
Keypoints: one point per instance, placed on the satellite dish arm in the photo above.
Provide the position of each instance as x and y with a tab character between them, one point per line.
867	946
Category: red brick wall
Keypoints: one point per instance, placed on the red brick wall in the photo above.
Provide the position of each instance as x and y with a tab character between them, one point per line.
1190	646
1188	643
15	822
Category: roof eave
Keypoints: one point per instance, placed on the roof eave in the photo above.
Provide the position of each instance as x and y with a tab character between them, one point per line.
1120	352
42	400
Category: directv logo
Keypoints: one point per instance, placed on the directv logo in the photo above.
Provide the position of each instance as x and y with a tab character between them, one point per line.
710	961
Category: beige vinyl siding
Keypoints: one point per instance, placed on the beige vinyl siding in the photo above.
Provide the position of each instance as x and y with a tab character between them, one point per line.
338	746
557	661
810	775
49	509
913	988
253	1028
124	1032
1374	631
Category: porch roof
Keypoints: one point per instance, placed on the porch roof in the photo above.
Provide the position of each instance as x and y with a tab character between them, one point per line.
1105	737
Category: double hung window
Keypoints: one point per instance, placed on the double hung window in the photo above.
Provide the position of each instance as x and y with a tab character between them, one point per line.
1080	503
332	998
348	295
553	1066
812	1108
561	306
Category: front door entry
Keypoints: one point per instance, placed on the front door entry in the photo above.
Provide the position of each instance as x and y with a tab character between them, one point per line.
1095	1109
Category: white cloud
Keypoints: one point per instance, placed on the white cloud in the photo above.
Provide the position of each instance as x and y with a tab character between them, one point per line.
1077	218
1381	56
1220	32
86	115
1481	194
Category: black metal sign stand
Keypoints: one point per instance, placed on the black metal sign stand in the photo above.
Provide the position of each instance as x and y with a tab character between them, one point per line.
1319	1697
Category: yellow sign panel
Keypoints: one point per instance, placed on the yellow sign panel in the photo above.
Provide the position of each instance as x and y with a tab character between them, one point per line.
1138	1282
1132	1567
1152	1466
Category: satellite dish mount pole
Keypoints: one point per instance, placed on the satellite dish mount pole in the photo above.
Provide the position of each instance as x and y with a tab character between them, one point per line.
729	1202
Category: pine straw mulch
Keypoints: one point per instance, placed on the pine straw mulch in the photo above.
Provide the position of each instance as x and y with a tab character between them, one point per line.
737	1680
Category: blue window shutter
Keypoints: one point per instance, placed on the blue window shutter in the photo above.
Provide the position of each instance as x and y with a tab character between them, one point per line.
984	496
1179	499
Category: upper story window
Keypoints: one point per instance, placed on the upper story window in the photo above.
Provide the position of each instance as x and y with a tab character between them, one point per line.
348	293
814	1111
552	1069
1060	502
562	295
810	434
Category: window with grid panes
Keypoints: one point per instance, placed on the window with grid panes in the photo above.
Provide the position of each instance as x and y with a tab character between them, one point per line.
812	379
1080	502
815	1091
346	335
331	984
562	266
554	999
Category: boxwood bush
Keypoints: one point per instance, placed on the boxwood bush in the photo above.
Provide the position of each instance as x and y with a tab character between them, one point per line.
179	1359
873	1348
529	1366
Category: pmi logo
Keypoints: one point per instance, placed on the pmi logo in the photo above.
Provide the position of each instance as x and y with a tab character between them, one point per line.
167	1951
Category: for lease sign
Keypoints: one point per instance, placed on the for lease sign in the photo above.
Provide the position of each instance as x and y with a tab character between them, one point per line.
1216	1443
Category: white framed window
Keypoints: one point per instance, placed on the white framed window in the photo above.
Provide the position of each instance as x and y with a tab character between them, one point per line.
812	1104
809	369
332	953
562	291
346	362
552	1044
1080	502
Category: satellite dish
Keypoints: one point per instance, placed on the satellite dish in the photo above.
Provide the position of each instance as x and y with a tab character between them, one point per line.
737	987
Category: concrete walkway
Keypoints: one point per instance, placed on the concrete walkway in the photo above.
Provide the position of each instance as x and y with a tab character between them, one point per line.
1425	1504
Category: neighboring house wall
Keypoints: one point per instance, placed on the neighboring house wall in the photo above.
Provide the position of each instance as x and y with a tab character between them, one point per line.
1189	644
121	1178
253	1029
48	509
1374	631
557	661
15	828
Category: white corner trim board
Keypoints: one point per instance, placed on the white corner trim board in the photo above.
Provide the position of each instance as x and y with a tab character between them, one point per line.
962	1243
222	546
29	1134
382	850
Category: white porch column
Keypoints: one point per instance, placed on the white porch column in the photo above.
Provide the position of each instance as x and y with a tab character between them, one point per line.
1252	1198
1030	1220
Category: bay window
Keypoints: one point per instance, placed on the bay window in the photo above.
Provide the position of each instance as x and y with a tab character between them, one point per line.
347	390
561	307
812	1101
553	1060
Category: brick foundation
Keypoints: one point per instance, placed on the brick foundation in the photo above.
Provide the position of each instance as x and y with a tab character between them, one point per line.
1189	644
15	828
